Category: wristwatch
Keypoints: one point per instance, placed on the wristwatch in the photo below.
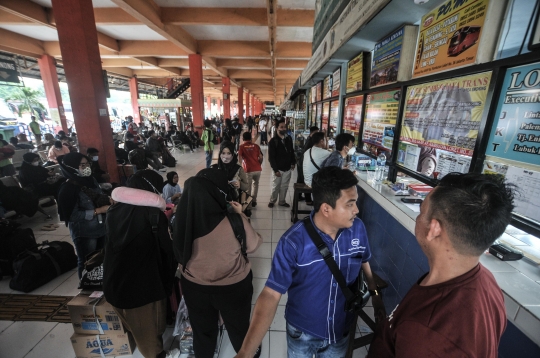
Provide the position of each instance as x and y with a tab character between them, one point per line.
374	292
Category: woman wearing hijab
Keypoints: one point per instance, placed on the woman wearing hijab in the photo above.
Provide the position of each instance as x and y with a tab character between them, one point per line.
41	181
216	277
172	191
81	205
228	162
139	264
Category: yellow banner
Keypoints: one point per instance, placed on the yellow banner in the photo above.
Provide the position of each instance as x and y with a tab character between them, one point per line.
355	69
449	36
446	114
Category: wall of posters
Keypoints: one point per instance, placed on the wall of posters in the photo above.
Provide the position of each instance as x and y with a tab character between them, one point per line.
380	121
334	118
325	116
336	82
313	117
449	36
313	94
327	87
355	71
353	115
319	115
446	114
319	92
516	132
385	63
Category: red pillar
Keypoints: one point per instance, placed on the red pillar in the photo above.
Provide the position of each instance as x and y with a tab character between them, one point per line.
47	68
209	105
241	104
247	104
77	33
134	91
197	90
226	89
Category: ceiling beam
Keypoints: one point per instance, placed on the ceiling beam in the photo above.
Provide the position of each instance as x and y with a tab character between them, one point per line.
20	44
173	62
28	10
291	64
244	74
292	74
113	16
149	48
293	50
271	8
8	18
241	49
295	17
122	71
213	16
243	63
119	62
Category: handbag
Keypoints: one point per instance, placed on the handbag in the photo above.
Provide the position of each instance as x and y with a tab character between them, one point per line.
92	275
245	199
35	267
312	161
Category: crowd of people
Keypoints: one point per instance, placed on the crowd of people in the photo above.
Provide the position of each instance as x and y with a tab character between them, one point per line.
152	229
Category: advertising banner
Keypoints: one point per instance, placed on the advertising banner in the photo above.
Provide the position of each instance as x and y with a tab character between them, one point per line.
334	117
319	115
325	116
355	68
516	132
319	91
386	55
313	94
336	82
353	115
381	115
327	87
446	114
449	36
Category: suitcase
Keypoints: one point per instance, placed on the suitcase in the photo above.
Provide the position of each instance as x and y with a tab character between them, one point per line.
36	266
12	242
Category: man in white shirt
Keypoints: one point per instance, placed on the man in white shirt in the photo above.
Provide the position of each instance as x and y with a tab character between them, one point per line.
318	153
262	130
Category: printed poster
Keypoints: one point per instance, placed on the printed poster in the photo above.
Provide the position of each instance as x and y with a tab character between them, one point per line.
325	116
336	82
516	131
355	68
313	118
327	87
385	64
446	114
449	36
314	94
319	114
319	92
528	182
353	115
381	115
334	117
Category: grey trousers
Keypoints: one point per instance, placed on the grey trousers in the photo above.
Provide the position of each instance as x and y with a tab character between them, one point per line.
280	185
253	182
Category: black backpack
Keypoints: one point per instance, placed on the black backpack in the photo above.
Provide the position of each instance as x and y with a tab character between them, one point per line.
13	241
237	128
137	157
239	231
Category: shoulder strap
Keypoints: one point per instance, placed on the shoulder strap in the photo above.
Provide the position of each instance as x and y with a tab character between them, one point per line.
328	259
312	161
239	232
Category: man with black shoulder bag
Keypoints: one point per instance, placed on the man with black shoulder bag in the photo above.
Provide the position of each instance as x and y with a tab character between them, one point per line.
317	261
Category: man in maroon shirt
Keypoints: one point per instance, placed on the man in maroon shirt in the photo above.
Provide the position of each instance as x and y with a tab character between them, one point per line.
457	308
250	155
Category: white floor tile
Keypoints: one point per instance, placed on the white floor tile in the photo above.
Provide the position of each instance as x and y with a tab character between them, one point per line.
68	287
261	223
279	324
260	267
4	285
266	235
277	234
278	344
21	337
281	224
55	344
4	325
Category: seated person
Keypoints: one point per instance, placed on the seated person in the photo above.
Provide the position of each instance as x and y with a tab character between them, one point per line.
314	157
6	163
99	174
121	154
41	181
47	142
19	200
57	150
152	159
67	143
23	142
344	145
129	143
172	190
184	138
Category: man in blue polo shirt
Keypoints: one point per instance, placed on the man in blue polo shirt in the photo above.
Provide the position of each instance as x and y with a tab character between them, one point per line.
317	323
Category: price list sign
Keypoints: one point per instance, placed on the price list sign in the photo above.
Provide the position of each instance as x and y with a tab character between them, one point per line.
353	115
381	115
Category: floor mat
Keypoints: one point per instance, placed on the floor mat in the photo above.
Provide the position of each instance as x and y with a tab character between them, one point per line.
34	308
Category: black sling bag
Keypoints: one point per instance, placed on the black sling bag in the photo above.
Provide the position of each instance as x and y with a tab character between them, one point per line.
312	161
353	301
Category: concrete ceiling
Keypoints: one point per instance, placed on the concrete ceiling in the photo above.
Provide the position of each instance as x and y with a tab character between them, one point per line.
261	45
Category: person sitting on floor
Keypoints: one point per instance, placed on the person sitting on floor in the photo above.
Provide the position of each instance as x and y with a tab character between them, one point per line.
172	190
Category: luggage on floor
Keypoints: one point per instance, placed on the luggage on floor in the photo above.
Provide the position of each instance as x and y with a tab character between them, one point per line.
36	266
92	275
13	241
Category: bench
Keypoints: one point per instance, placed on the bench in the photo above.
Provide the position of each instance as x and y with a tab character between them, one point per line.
14	181
298	189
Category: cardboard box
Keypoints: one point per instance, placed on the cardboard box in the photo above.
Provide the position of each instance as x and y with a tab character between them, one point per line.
112	344
81	310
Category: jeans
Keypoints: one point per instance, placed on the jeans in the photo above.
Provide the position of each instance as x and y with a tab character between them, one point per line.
253	182
280	185
302	345
85	246
208	157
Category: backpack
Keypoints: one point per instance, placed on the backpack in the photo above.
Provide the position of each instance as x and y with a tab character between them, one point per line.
13	241
137	157
239	231
214	136
237	128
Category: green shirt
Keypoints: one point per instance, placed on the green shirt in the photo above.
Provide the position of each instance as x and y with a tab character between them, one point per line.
34	126
207	138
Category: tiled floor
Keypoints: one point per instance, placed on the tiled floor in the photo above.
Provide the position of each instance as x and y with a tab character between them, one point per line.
44	339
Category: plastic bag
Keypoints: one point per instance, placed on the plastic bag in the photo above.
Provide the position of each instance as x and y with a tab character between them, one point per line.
182	319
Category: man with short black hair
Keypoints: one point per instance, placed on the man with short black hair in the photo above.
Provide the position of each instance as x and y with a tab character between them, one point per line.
456	309
99	174
317	322
314	157
250	156
300	168
282	160
153	151
344	145
36	130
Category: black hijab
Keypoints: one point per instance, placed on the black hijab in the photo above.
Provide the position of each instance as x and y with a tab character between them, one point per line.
202	207
68	195
30	174
170	176
129	223
230	168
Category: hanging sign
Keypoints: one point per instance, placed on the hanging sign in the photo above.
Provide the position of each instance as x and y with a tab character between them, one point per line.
8	71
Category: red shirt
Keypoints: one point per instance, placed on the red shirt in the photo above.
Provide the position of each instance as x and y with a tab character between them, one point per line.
250	157
464	317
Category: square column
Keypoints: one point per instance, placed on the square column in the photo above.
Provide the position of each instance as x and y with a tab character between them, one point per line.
47	68
77	33
241	104
209	107
197	91
247	104
226	89
134	92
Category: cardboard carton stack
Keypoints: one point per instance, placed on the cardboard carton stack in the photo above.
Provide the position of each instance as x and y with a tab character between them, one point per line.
98	329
